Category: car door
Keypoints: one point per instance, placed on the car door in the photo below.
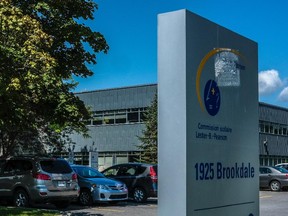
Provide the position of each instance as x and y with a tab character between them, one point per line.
265	176
128	175
8	178
123	173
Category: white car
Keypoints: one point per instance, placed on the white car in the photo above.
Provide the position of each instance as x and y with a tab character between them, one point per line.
282	165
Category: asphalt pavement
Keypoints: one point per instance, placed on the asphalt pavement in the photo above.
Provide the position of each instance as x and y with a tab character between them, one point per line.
121	209
128	208
271	204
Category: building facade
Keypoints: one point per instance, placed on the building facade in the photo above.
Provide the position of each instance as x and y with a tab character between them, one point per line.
116	124
273	134
118	121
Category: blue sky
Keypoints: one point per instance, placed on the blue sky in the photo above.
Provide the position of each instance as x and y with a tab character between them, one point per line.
130	28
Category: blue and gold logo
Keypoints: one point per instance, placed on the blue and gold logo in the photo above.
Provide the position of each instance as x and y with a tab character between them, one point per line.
227	73
212	97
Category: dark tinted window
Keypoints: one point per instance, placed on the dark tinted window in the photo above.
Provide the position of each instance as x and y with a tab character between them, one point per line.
141	170
26	165
264	170
9	167
133	117
126	171
17	166
55	166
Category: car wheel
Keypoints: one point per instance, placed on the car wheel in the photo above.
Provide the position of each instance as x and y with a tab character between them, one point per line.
62	204
139	195
275	185
85	197
20	199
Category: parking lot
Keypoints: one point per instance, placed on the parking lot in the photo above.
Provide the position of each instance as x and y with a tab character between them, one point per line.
128	208
271	204
122	209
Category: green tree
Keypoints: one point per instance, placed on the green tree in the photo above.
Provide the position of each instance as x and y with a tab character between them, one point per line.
149	144
41	48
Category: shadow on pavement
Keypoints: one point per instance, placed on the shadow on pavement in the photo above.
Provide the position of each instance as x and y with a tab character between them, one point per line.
77	210
80	214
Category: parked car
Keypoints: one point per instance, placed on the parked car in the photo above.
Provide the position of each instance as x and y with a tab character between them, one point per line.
282	165
275	178
141	179
95	187
27	180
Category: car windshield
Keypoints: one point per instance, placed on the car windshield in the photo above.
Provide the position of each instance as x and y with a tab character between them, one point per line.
88	172
282	170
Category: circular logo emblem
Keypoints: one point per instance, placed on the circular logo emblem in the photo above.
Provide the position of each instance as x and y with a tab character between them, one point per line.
212	97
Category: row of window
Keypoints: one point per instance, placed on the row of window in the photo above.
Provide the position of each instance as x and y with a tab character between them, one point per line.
137	115
273	128
272	160
105	159
117	116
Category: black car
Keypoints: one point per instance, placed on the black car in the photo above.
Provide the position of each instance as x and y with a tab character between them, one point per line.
141	179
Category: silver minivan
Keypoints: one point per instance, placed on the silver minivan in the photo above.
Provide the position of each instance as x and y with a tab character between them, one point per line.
27	180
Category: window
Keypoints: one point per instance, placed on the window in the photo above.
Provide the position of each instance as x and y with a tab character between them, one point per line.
285	131
280	130
111	172
276	129
97	119
126	171
55	166
125	116
120	117
133	115
264	170
17	166
108	119
271	129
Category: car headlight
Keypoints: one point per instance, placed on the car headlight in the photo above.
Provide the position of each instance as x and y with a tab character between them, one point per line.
103	187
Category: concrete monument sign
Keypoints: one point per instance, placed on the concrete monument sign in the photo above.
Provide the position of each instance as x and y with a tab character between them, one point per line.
208	119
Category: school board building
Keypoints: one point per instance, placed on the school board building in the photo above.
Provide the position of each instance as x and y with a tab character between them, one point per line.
118	120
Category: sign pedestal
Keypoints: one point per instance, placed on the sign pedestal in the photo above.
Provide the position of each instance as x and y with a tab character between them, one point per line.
208	119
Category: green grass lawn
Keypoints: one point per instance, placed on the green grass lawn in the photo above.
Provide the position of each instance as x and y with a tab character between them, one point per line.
5	211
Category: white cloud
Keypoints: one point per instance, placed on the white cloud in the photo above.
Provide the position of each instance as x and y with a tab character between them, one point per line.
283	96
269	82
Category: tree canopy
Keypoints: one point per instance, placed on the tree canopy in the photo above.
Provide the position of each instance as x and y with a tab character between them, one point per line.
149	143
41	49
